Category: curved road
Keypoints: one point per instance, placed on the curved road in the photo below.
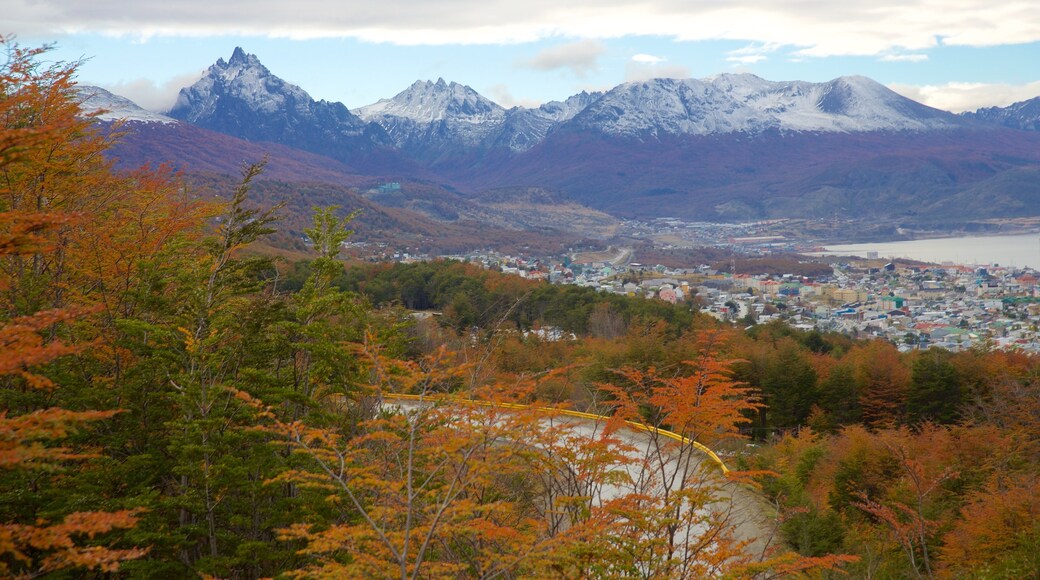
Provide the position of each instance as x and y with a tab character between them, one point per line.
658	459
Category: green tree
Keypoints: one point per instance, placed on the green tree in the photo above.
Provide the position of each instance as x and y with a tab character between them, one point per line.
789	386
936	390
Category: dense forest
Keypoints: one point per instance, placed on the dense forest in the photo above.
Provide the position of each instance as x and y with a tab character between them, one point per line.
174	404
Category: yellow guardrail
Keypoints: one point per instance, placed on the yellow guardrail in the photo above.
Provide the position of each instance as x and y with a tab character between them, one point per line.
630	424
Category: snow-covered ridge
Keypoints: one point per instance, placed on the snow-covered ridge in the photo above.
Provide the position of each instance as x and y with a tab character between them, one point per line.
732	103
1021	115
114	107
454	113
560	111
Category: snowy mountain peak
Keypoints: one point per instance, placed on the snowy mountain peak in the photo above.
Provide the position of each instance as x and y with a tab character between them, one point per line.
560	111
242	78
427	101
112	107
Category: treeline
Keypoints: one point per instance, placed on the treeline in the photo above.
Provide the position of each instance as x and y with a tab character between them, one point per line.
827	381
469	296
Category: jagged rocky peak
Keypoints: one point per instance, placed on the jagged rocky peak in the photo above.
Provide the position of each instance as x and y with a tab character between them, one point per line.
428	101
241	97
243	78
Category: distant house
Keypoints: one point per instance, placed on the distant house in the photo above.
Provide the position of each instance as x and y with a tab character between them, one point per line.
668	295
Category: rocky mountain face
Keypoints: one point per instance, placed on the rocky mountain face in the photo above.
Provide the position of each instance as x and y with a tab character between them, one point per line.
242	98
524	128
431	120
1022	115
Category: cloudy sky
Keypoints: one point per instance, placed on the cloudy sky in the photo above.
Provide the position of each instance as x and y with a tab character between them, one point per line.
951	54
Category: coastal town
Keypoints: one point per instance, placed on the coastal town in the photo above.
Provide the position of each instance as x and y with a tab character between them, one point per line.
911	304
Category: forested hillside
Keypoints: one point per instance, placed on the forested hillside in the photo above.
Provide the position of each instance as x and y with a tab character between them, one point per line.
173	404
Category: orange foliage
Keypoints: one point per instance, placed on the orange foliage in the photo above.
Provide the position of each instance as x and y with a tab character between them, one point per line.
884	383
994	522
449	488
706	405
59	542
45	150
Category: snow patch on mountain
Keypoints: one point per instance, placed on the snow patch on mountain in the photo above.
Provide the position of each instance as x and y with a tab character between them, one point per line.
560	111
112	107
454	113
524	128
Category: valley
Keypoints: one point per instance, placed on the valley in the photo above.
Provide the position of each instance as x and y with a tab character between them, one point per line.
843	161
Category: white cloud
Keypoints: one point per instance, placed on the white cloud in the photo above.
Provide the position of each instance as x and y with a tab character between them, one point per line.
580	57
648	59
746	59
643	67
959	97
641	71
818	28
159	97
904	58
503	96
751	53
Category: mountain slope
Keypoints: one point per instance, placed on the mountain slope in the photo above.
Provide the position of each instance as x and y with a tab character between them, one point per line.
740	177
730	147
192	149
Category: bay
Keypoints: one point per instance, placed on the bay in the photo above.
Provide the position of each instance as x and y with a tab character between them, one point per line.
1018	250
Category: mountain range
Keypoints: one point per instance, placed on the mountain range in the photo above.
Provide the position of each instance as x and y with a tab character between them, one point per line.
728	147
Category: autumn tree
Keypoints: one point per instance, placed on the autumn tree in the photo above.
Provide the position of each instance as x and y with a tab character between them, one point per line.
36	535
33	539
431	490
883	382
998	534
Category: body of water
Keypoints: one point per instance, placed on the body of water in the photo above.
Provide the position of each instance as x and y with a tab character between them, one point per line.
1014	250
